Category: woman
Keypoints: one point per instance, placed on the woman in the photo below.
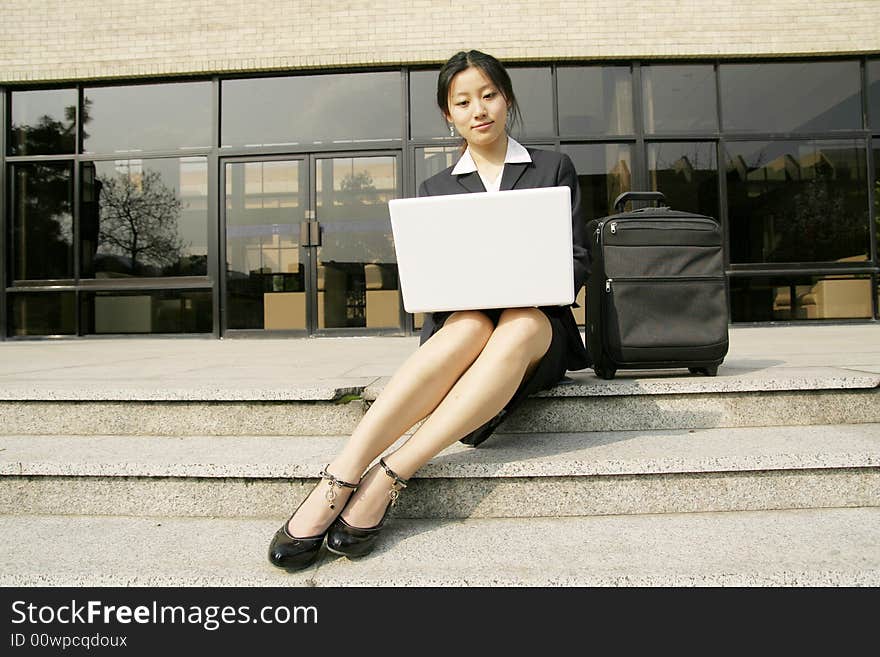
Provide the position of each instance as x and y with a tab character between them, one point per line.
472	366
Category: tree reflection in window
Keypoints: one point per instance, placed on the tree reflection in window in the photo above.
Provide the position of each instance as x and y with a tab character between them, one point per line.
44	122
138	223
42	221
143	217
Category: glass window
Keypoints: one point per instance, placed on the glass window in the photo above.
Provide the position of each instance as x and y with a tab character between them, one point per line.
426	119
679	98
144	218
595	100
265	266
797	201
791	96
357	266
874	94
147	117
534	93
604	172
687	174
876	199
433	160
147	311
42	220
763	299
312	109
42	313
43	122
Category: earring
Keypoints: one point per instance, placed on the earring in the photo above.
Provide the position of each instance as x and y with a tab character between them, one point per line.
451	130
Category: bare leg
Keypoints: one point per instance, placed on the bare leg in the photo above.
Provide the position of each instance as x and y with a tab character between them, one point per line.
411	394
518	343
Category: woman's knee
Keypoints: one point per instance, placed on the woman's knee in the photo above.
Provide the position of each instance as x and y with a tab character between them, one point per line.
526	329
471	326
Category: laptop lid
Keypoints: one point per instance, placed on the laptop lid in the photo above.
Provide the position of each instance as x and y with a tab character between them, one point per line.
508	249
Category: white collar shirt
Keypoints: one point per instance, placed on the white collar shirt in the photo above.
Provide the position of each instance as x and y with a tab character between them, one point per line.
516	153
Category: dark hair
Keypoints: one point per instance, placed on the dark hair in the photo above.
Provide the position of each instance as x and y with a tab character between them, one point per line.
491	68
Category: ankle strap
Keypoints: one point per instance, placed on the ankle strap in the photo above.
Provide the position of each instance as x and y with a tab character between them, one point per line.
391	473
335	481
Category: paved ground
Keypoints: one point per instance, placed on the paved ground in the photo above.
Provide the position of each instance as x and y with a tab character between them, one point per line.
320	364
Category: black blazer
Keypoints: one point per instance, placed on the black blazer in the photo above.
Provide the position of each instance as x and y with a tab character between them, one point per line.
547	169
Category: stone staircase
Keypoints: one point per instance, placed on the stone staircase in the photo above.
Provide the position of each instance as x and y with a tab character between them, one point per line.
755	477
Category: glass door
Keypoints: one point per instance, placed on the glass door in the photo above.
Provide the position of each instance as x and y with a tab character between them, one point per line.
357	285
266	204
307	245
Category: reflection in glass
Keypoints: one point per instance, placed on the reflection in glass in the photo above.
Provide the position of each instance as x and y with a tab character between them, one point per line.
433	160
876	195
311	109
604	172
687	174
761	299
265	273
44	313
873	76
595	100
132	118
797	201
144	218
791	96
357	267
679	98
534	93
426	119
43	122
42	220
147	311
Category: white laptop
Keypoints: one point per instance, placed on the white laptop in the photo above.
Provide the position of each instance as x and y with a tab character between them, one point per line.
507	249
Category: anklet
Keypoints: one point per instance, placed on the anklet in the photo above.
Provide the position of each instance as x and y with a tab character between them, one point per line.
397	485
333	483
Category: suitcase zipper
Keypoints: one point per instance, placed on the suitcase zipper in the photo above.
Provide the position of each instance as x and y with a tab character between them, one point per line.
659	279
689	225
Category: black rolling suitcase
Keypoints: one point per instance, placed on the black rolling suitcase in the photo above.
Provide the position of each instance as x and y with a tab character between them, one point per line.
656	296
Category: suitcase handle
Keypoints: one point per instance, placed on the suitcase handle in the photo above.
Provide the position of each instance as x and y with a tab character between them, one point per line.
621	200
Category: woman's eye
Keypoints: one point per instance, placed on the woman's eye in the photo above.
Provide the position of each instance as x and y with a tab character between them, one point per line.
461	103
491	94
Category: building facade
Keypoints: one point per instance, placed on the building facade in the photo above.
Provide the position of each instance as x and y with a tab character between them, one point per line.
224	168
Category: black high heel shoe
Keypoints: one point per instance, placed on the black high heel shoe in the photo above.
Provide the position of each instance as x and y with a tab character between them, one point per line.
354	542
293	553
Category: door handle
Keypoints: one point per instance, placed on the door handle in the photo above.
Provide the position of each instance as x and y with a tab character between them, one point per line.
310	233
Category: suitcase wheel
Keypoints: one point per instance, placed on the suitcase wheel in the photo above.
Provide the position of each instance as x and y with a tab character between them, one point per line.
706	371
605	373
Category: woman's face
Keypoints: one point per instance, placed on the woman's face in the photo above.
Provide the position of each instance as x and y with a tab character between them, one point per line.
476	108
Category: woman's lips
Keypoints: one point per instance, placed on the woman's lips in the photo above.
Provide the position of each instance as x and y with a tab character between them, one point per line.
483	126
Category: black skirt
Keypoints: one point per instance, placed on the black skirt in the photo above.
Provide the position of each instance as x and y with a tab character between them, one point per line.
550	370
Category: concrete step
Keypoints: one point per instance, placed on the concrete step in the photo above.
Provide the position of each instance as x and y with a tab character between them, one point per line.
809	547
789	396
521	475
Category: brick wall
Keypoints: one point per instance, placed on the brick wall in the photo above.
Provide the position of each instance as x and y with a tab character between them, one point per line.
72	39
